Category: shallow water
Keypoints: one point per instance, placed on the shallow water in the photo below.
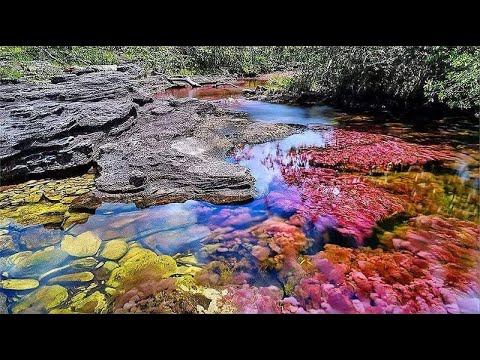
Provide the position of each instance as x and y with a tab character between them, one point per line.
287	114
241	251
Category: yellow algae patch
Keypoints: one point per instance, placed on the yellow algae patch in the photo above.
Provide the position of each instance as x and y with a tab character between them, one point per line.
114	249
43	299
138	259
85	244
19	284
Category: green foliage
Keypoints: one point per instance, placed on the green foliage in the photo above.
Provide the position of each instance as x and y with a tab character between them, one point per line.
392	76
381	76
240	60
280	82
458	81
8	72
17	53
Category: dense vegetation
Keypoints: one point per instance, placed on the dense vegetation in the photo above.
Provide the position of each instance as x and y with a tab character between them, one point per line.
393	76
378	76
39	61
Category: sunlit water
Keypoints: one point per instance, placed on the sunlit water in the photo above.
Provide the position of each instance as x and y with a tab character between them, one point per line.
190	228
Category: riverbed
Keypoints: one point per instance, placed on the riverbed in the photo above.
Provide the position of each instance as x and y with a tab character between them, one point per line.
355	213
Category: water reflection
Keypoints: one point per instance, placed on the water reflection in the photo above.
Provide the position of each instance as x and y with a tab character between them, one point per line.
287	114
265	161
268	255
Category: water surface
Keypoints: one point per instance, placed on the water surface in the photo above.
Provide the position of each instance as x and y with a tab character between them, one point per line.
233	238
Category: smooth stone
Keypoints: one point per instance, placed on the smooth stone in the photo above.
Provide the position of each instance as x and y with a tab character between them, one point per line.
3	304
4	232
19	284
110	266
85	244
79	265
4	223
30	265
177	240
81	191
188	270
70	191
35	237
210	249
110	291
85	276
75	218
53	197
93	303
114	249
3	263
7	244
67	200
138	259
41	300
190	260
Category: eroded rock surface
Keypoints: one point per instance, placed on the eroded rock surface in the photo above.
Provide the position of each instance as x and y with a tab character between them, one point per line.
147	151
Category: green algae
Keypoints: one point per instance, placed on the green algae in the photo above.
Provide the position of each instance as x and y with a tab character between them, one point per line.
85	244
43	299
19	284
114	249
81	277
138	259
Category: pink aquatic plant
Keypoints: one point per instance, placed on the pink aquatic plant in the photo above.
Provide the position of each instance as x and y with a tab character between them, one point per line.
253	300
269	244
234	217
367	152
432	268
354	204
452	245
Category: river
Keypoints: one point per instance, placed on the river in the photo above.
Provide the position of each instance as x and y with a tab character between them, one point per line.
322	235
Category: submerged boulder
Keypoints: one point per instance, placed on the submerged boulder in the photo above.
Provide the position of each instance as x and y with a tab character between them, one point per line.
85	244
26	264
81	265
41	300
114	249
137	260
19	284
7	245
81	277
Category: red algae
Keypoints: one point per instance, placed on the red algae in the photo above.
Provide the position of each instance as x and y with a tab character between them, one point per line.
269	244
365	152
450	243
433	268
253	300
354	204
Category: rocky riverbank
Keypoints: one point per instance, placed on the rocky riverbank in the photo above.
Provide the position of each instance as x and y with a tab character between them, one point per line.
145	151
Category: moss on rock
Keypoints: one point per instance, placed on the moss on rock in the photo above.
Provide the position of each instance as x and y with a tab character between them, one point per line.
43	299
85	244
